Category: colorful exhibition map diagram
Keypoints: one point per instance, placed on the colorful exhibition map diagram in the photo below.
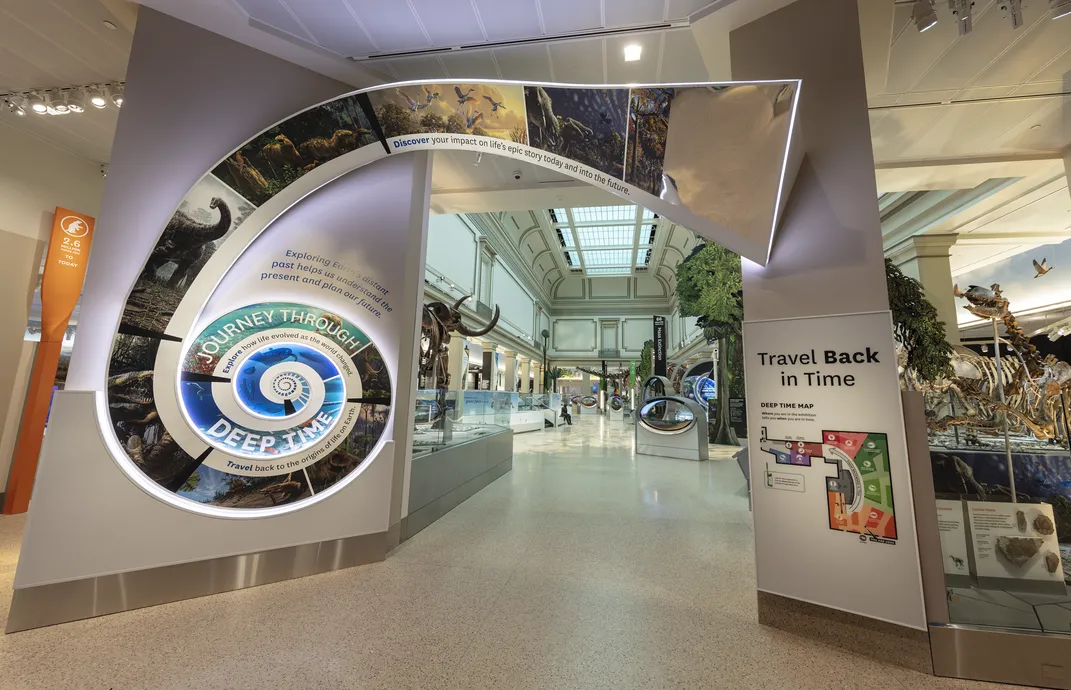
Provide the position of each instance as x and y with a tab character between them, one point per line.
859	496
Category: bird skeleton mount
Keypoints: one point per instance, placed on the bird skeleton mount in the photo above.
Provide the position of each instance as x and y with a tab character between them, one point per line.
437	322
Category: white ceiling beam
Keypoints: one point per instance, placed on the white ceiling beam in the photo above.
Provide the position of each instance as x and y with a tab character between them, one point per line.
1012	238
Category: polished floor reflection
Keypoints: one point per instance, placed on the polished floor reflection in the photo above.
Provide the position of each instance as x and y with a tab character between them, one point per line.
585	567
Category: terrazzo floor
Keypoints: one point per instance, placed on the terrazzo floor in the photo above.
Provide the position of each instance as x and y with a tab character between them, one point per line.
584	567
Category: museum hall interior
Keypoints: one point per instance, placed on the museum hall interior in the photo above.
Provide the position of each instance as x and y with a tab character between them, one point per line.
535	344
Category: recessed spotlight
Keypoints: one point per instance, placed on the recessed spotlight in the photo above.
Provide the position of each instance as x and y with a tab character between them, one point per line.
109	24
1035	126
96	97
37	104
924	15
117	95
1060	8
633	52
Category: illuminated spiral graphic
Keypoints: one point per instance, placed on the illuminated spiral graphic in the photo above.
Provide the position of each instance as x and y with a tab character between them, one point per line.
283	398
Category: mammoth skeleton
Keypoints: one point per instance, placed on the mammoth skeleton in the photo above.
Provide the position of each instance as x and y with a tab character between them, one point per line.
438	321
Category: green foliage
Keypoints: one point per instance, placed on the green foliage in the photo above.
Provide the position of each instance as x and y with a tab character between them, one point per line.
917	327
645	367
709	286
455	125
396	120
433	123
191	482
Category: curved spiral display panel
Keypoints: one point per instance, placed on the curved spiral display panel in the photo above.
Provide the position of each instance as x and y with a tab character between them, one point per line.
666	416
248	417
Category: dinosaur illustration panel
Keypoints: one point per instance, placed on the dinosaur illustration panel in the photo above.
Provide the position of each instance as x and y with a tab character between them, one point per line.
207	216
488	110
648	127
273	159
586	125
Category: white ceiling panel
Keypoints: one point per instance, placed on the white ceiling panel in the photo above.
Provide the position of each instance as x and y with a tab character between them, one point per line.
423	67
578	62
626	12
966	59
1029	54
64	66
467	64
18	72
449	22
913	53
334	27
1050	212
505	21
524	62
1053	129
684	8
566	16
391	24
991	124
644	70
70	23
274	13
681	59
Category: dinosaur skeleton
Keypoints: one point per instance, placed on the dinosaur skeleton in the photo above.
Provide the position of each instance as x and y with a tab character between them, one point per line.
1035	388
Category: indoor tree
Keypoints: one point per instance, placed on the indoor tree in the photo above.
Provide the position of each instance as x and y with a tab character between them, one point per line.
709	287
917	328
644	368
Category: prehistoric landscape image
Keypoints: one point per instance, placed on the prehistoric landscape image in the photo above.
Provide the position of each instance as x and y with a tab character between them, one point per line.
366	432
214	487
282	154
486	110
648	125
587	125
207	216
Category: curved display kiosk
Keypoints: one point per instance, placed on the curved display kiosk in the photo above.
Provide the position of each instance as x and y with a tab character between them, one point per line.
615	408
669	425
589	404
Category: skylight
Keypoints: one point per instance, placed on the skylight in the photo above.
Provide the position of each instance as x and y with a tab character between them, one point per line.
605	240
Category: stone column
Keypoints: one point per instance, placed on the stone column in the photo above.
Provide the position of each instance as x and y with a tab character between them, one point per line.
525	374
925	258
490	367
509	379
537	369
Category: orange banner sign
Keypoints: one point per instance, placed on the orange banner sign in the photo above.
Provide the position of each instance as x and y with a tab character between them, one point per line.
65	271
61	286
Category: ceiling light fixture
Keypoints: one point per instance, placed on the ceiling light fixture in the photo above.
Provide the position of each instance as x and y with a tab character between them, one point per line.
633	52
58	104
963	11
110	25
1013	9
1060	8
96	97
19	108
75	102
62	100
924	15
37	104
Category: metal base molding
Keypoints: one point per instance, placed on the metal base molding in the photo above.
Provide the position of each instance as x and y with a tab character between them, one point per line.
61	602
416	521
886	642
999	656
